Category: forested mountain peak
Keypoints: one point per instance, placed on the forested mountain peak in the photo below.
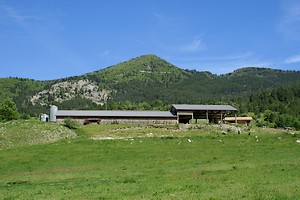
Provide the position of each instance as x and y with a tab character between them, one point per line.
144	80
147	68
145	63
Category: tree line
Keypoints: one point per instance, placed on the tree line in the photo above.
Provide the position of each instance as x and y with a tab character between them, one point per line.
274	108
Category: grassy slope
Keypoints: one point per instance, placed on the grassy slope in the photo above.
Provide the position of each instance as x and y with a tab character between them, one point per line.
212	166
27	132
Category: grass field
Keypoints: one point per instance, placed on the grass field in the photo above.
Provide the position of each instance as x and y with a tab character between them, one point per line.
153	162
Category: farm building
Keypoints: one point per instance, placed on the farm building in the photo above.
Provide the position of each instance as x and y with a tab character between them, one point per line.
212	113
44	117
179	113
238	120
116	117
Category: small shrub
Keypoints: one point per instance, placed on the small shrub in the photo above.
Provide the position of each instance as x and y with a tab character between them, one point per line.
71	124
129	180
25	116
168	138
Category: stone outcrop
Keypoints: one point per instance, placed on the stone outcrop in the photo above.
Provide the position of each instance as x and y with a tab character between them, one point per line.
68	90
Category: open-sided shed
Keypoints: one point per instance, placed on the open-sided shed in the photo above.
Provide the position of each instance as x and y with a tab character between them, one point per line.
212	113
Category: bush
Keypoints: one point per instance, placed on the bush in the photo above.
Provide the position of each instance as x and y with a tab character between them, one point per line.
297	124
8	110
71	124
25	116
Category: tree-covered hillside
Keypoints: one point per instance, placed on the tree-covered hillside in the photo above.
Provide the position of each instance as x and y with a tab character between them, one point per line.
145	70
20	90
148	78
149	82
14	87
278	107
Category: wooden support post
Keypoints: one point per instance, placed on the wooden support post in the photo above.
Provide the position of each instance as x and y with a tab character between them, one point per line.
221	118
235	118
207	117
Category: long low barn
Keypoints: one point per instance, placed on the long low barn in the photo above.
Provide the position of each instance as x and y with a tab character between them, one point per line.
180	113
117	117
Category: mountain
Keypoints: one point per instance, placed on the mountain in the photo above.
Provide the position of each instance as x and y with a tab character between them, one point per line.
147	80
149	68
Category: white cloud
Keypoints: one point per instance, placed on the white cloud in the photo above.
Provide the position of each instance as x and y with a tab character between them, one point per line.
10	13
289	23
104	54
162	19
292	59
222	64
233	57
195	45
254	63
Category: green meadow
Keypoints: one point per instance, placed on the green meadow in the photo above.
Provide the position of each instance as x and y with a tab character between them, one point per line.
147	162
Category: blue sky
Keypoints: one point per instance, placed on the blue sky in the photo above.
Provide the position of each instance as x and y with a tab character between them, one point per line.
49	39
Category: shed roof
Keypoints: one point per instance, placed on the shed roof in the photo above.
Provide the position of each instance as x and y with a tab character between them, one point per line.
112	113
204	107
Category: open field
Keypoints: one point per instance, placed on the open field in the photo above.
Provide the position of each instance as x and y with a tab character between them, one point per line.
153	162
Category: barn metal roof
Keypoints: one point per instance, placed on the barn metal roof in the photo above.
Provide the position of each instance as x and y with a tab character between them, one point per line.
112	113
204	107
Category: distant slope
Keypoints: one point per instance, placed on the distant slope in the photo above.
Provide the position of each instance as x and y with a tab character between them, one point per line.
14	87
29	132
20	90
277	107
201	87
147	68
284	100
146	78
135	80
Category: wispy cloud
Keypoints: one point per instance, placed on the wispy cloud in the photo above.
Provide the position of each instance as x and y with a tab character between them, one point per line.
193	46
162	19
41	29
11	14
289	23
292	59
232	57
104	53
224	63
